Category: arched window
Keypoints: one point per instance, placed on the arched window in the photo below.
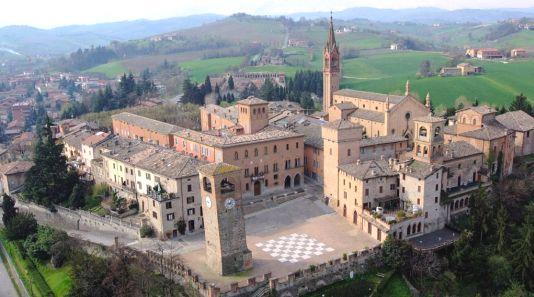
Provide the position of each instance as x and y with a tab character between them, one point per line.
474	121
422	132
246	153
464	120
413	228
348	152
425	150
255	152
275	149
408	230
236	156
418	149
419	227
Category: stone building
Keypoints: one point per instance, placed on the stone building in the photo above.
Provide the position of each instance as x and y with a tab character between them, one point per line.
133	126
163	182
378	114
478	126
13	176
271	157
225	236
523	126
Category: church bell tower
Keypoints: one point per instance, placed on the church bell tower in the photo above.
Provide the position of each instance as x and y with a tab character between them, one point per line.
331	68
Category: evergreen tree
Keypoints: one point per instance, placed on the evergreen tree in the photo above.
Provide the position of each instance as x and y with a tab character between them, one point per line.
521	103
207	85
77	197
307	103
267	91
48	181
8	209
231	83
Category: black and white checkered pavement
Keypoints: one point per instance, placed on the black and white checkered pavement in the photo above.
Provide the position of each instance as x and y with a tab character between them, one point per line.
294	247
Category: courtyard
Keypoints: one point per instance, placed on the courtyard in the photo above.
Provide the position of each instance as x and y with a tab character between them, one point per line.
284	239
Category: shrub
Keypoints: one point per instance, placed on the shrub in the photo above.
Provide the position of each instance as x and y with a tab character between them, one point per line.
401	215
147	231
59	253
39	245
345	256
21	226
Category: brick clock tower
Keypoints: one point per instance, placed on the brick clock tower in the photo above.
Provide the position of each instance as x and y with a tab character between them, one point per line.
331	68
224	222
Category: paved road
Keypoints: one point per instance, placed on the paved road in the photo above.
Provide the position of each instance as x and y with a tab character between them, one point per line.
8	290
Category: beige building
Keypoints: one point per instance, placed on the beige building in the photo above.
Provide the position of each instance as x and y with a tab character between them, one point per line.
478	126
162	181
13	176
271	157
523	126
88	152
378	114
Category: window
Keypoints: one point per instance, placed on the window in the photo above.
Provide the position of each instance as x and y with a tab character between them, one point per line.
426	214
287	146
348	152
437	187
437	174
190	199
170	216
139	173
246	153
139	185
190	211
275	177
403	176
297	145
265	168
154	215
265	150
459	165
366	192
255	152
189	188
419	189
236	156
436	199
418	201
168	205
275	167
147	175
403	189
275	149
246	187
156	179
392	187
345	195
380	189
246	172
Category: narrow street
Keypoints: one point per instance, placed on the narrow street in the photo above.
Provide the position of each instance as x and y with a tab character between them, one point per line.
8	289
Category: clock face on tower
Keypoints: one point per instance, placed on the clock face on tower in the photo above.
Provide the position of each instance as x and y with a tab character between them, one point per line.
208	201
229	203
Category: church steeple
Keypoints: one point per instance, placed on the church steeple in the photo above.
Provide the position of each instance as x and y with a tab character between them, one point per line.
331	67
407	91
331	44
427	100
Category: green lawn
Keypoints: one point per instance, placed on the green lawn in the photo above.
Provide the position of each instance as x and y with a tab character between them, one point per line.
110	70
38	278
198	69
387	73
396	287
362	285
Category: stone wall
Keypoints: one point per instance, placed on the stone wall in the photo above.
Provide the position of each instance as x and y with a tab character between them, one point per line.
294	284
79	218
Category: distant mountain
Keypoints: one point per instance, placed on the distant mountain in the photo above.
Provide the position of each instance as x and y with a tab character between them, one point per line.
426	15
62	40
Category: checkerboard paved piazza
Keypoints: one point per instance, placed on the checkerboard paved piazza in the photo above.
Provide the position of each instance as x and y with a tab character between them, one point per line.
294	247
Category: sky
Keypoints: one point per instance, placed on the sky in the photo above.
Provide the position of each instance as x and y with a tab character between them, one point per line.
54	13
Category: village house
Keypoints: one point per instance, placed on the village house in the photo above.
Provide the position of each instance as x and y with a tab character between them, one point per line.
523	126
13	176
163	183
518	53
489	53
88	152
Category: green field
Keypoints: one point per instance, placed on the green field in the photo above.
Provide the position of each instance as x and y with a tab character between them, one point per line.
198	69
110	70
387	73
396	287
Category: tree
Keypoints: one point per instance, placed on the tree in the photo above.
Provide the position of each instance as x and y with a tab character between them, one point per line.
307	103
48	180
8	209
446	284
39	244
523	253
88	272
267	90
119	280
231	83
395	252
207	85
515	290
480	214
21	226
501	222
500	272
521	103
425	69
77	197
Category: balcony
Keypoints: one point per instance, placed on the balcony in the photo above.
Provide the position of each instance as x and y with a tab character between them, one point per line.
257	176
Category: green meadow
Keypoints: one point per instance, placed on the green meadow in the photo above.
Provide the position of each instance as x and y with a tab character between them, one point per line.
198	69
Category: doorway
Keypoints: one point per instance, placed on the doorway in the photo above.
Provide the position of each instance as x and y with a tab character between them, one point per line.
257	188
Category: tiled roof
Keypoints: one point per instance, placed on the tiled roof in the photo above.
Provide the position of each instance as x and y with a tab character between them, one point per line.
395	99
429	119
459	149
340	124
16	167
225	138
481	109
217	168
95	138
368	169
312	135
488	132
370	115
75	139
229	113
159	160
345	105
516	120
252	101
450	130
381	140
146	123
419	169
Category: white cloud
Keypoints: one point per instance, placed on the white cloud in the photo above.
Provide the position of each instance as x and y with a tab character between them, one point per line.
53	13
